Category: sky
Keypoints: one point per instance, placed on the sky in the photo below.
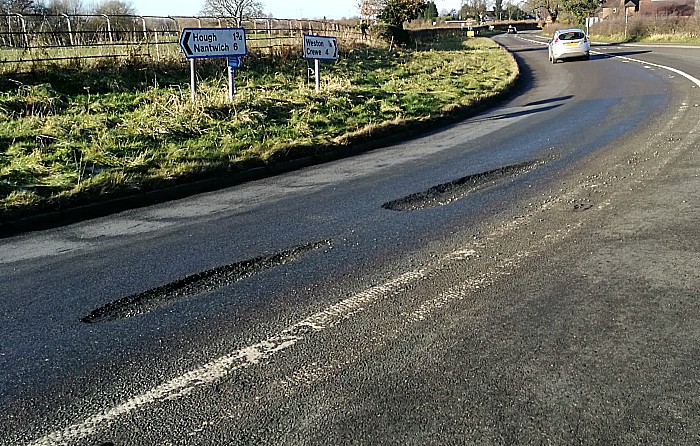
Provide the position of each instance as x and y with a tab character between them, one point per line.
283	9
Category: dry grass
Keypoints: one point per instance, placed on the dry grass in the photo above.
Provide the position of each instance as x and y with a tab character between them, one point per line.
649	29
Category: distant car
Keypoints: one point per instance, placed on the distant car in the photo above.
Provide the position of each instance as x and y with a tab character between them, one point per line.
569	44
512	30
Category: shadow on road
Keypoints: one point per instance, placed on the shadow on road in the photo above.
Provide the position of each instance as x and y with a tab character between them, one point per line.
526	112
549	101
519	113
525	50
601	56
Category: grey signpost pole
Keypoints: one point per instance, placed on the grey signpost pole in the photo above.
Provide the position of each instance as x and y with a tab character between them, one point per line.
233	63
317	70
193	79
231	84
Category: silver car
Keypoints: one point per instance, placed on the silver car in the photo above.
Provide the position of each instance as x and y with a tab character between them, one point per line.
569	44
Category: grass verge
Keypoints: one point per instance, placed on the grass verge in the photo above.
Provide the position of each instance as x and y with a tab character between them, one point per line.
73	136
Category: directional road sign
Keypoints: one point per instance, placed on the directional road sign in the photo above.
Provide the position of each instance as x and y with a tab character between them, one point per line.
320	47
208	43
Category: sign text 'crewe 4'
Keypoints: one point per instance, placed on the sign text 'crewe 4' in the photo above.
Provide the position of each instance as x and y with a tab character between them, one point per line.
320	47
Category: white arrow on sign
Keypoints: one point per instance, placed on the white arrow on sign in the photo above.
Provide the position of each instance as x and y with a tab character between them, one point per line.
320	47
209	43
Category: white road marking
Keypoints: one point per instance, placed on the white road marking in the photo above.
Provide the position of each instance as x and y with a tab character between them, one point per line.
646	64
329	317
692	79
219	368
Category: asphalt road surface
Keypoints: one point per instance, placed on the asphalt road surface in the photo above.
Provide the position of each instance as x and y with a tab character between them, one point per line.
528	276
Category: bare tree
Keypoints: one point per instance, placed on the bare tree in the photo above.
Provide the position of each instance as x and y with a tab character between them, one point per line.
498	9
238	9
581	9
16	6
549	7
119	19
473	8
61	18
370	9
57	7
115	7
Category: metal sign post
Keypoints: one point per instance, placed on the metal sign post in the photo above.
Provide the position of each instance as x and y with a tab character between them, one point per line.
233	63
193	80
317	72
231	83
320	48
211	43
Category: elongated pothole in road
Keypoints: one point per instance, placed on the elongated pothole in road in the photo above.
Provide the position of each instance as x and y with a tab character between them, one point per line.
195	284
449	192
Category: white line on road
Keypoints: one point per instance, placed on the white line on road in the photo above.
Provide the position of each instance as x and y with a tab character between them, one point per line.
221	367
646	64
692	79
253	354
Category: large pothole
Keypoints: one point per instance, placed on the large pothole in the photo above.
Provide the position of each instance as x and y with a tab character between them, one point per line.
195	284
446	193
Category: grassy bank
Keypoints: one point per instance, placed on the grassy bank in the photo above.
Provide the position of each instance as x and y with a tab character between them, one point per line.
72	135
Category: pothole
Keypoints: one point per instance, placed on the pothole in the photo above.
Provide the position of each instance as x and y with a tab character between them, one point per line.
195	284
581	206
447	193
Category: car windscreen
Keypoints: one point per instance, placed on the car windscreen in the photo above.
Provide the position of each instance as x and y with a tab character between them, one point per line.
571	36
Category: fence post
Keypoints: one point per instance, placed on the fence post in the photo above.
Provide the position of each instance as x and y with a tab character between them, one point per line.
155	33
109	28
269	35
9	28
70	30
24	30
85	29
145	31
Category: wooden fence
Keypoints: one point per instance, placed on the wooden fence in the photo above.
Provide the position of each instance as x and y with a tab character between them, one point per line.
25	39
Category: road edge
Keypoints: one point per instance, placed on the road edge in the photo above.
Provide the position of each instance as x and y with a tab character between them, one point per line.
294	159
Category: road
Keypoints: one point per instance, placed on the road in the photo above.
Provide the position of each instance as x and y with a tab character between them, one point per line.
527	276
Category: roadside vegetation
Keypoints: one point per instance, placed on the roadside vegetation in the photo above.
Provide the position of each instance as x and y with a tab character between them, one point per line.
648	29
638	29
75	134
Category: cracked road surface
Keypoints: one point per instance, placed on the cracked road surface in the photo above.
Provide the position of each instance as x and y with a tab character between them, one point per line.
555	301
